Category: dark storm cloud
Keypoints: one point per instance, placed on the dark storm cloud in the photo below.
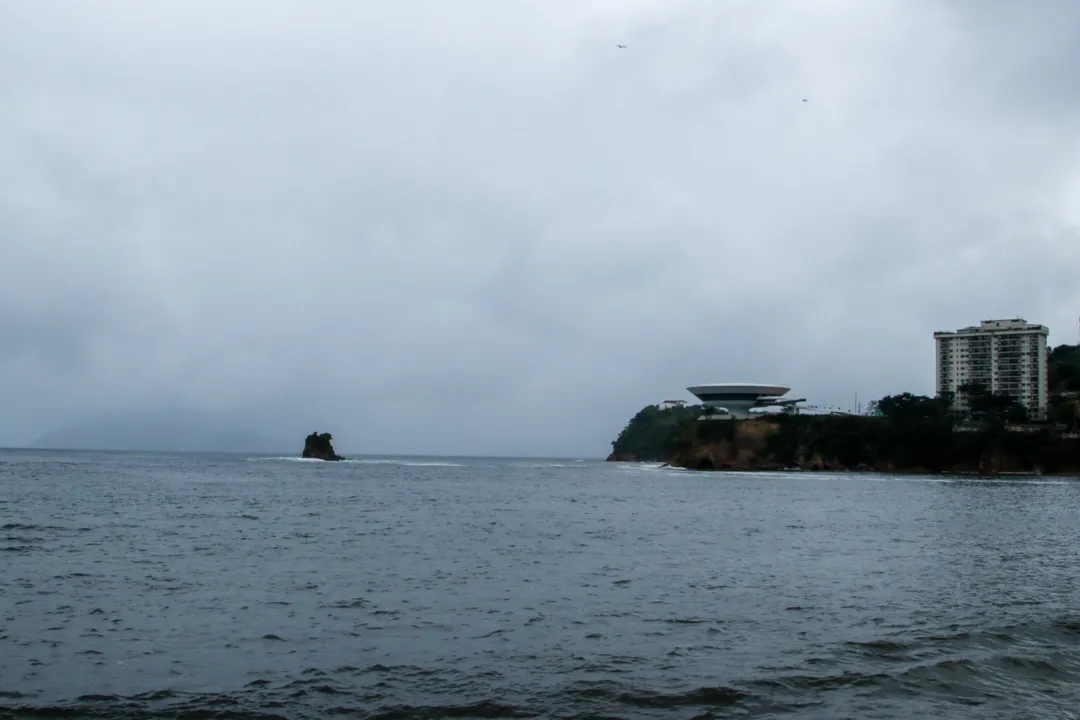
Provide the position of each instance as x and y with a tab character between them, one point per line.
482	228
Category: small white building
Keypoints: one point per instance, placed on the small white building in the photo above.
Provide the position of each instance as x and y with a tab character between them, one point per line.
1004	356
668	404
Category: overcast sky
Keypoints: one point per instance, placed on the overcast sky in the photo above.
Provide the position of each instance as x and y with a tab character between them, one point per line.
480	227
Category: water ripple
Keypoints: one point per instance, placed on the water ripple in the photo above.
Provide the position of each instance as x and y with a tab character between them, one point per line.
161	586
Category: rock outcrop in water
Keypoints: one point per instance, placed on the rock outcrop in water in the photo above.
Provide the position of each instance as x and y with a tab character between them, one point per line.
317	446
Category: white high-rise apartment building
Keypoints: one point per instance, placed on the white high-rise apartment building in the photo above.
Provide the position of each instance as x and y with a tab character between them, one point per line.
1005	356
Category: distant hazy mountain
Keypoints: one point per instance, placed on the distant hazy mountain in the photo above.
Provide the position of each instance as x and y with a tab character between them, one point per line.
165	431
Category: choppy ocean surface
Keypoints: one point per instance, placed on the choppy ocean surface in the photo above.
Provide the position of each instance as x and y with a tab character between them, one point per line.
170	586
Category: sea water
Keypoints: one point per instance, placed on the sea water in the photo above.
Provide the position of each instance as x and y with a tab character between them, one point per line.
144	585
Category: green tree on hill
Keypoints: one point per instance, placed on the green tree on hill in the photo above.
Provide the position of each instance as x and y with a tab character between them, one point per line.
649	433
1064	369
1064	382
907	407
993	408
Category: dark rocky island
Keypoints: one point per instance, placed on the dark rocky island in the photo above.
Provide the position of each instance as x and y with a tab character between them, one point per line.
317	446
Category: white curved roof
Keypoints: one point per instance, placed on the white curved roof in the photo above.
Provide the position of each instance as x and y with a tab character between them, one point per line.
748	389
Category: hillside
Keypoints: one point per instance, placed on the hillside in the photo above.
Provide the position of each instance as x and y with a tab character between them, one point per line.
648	435
880	444
905	433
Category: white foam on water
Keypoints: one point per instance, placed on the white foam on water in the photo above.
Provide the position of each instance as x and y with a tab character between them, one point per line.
952	479
359	461
552	465
408	463
646	467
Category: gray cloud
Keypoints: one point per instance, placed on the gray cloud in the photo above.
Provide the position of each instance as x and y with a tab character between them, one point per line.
482	228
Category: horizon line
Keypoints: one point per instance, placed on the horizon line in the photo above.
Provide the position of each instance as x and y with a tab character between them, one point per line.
271	454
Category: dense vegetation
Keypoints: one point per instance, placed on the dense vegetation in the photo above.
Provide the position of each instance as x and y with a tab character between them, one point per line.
1064	369
1064	408
919	433
901	432
649	434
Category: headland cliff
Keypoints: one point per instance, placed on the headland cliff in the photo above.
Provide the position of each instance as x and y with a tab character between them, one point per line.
911	435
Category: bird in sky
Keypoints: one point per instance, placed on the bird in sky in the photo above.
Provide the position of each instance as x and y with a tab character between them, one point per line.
622	46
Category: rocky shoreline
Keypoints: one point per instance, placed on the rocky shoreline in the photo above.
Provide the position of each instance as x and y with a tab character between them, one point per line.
866	445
